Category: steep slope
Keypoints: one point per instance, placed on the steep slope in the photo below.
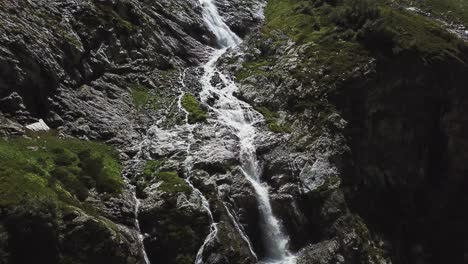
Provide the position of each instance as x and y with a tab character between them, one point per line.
371	92
333	133
99	70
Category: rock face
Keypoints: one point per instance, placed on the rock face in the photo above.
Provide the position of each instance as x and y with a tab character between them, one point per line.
362	142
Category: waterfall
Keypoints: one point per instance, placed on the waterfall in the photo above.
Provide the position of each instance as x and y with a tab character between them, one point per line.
137	226
225	37
240	118
241	231
188	166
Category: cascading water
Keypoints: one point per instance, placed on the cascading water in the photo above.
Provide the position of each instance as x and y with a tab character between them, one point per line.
241	231
188	166
137	225
240	118
225	37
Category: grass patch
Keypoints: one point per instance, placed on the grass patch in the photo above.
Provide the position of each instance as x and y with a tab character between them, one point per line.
253	68
192	105
308	22
454	10
406	31
111	16
172	183
143	98
295	18
345	34
57	169
170	180
272	120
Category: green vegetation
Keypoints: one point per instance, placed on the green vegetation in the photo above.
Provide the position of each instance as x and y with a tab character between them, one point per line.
294	18
196	113
398	31
342	35
272	120
253	68
454	10
312	23
55	169
170	180
117	20
172	183
180	233
143	98
336	41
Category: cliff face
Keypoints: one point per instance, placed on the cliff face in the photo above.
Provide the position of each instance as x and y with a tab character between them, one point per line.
362	142
374	102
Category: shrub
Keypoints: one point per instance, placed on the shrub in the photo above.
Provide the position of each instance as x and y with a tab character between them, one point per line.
68	177
64	157
355	13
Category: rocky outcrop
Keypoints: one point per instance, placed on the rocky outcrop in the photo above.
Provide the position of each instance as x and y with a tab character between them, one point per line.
102	70
369	145
362	145
406	146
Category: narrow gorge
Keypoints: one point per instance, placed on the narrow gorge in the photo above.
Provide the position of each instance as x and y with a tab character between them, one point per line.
233	132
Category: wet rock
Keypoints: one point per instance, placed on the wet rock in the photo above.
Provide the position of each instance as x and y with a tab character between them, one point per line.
12	103
323	253
241	16
175	226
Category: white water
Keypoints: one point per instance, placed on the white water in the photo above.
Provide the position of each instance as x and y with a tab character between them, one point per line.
188	165
241	231
226	38
137	226
241	118
213	225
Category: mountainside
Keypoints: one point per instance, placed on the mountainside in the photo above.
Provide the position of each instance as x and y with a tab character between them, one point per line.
242	131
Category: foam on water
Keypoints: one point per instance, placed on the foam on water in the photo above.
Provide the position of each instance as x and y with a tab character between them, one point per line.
240	117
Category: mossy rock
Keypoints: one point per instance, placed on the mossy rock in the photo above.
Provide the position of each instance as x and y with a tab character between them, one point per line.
340	42
170	182
56	169
454	10
193	107
271	118
144	98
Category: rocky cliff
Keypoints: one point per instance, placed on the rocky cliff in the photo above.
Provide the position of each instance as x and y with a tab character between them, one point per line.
355	110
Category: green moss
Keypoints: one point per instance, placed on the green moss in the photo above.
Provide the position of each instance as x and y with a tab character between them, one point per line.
345	35
405	31
292	17
111	16
253	68
454	10
151	166
71	39
180	233
172	183
143	98
170	180
272	120
42	180
228	237
57	169
330	54
196	113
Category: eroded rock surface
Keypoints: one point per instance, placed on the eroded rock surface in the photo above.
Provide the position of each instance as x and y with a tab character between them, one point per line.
361	143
